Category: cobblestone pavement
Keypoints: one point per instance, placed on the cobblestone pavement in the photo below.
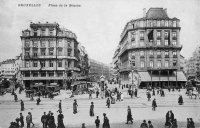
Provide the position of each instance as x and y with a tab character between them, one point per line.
141	109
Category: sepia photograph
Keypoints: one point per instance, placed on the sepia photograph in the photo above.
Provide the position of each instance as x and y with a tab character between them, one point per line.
99	64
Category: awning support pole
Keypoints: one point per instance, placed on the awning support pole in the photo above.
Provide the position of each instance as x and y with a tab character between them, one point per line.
159	78
176	78
151	79
168	77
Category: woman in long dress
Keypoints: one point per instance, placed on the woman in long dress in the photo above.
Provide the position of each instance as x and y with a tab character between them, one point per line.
75	106
129	115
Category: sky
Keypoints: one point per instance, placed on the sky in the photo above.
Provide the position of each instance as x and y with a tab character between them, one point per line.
97	23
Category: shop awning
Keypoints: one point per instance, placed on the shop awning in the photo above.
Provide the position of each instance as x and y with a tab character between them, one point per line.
146	77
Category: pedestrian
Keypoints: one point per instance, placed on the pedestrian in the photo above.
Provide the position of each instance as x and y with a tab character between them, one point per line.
97	122
191	123
21	120
150	124
97	93
48	118
154	104
174	124
60	120
38	101
92	109
122	96
136	93
22	105
28	120
106	123
171	115
149	95
83	125
180	100
31	118
52	121
144	124
17	122
108	102
90	94
44	120
15	97
75	106
129	115
60	105
153	94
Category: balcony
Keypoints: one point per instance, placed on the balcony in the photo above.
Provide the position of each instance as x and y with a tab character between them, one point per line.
151	56
142	57
158	56
174	56
141	38
133	39
166	56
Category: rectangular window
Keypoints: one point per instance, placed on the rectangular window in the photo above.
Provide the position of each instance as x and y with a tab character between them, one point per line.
50	63
51	74
42	63
60	52
43	44
174	34
166	42
27	53
158	34
174	63
166	34
133	26
151	64
35	52
158	42
142	64
43	74
69	63
166	64
27	64
133	36
174	42
141	24
162	23
158	54
174	23
151	53
166	53
35	33
69	53
158	23
159	63
141	53
35	74
51	52
50	32
60	63
166	24
133	55
141	35
60	74
174	53
27	44
35	44
43	52
51	43
35	64
43	32
60	44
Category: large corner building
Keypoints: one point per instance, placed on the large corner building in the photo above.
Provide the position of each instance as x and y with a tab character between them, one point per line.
49	54
150	47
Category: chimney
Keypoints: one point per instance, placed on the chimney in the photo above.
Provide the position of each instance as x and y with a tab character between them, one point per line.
165	10
144	12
